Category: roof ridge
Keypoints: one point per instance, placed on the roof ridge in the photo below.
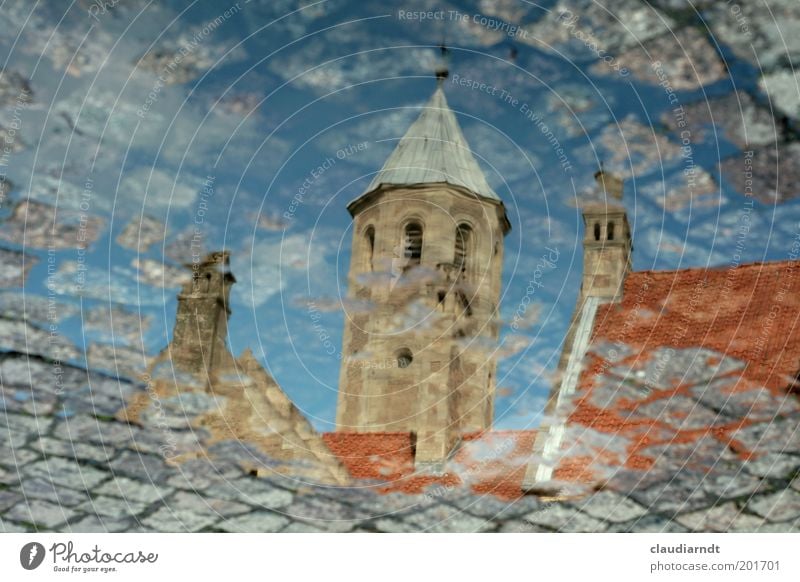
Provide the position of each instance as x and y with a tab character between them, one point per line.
760	264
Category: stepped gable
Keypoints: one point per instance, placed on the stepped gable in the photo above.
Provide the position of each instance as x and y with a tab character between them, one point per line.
239	399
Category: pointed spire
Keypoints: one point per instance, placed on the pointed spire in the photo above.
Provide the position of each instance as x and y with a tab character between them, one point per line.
433	150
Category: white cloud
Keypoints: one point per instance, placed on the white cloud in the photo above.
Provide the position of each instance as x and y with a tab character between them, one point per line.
157	189
271	266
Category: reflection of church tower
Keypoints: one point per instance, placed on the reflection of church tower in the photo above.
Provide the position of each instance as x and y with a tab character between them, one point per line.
427	255
201	324
607	243
607	250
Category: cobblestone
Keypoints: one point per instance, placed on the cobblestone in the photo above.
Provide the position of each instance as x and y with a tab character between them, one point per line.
97	524
253	492
42	514
771	173
560	517
207	505
723	396
688	60
650	523
62	472
300	527
83	473
742	120
259	521
777	507
73	450
40	488
167	519
609	506
25	423
770	35
492	508
7	527
726	517
84	427
112	507
773	465
8	476
521	526
136	490
325	514
665	368
9	498
19	457
199	474
442	518
680	413
774	437
673	496
132	464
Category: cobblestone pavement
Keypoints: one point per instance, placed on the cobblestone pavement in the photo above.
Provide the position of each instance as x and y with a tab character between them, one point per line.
66	464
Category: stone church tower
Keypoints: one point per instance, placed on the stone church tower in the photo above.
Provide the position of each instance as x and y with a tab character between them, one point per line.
427	255
607	252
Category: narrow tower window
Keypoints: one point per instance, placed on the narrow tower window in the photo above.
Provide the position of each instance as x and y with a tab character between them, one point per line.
369	239
463	236
610	231
412	244
596	231
466	304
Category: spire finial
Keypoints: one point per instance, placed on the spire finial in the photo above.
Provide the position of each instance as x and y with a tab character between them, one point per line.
442	70
610	184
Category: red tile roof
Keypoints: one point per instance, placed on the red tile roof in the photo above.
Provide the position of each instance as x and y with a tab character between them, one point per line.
488	463
386	457
751	313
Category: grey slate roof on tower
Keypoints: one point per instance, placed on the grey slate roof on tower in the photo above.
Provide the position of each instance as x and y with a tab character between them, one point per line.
433	150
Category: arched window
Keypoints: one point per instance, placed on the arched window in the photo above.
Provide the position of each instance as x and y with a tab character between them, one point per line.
596	231
463	238
369	247
412	243
610	231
